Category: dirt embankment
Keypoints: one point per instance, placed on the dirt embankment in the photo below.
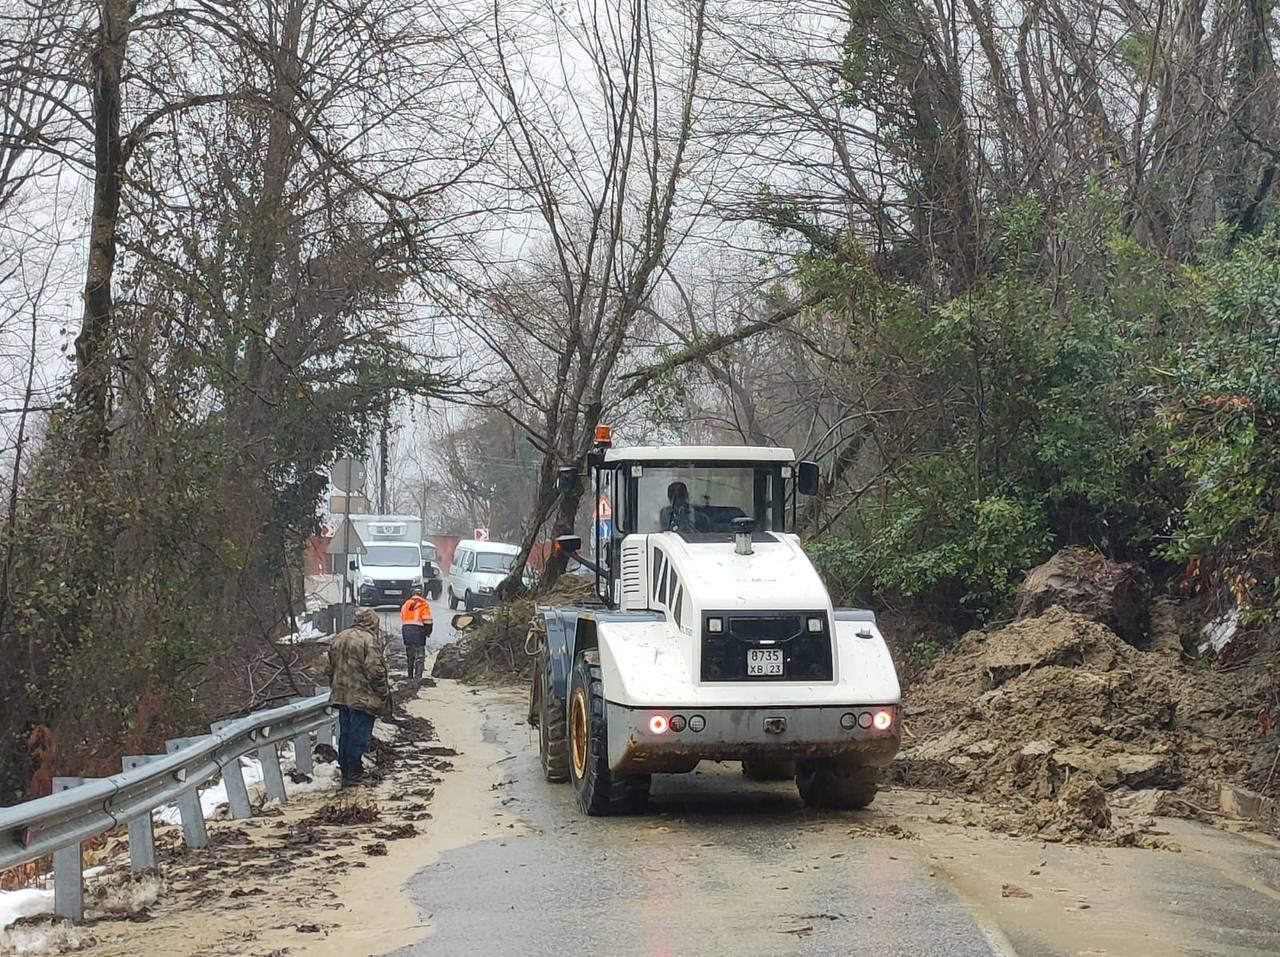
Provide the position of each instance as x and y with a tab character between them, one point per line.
1066	732
498	648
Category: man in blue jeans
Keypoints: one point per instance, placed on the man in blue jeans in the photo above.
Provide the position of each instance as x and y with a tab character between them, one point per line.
358	682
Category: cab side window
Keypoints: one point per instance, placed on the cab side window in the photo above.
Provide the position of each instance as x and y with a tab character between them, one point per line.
469	563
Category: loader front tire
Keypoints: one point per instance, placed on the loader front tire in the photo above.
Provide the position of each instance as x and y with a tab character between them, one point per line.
838	785
599	791
553	726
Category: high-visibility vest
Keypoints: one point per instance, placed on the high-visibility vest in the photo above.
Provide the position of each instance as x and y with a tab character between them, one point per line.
415	611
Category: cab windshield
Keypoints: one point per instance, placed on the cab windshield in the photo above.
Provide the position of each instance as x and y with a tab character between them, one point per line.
387	556
705	499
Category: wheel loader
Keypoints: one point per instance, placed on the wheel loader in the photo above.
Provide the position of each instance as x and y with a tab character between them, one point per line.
714	638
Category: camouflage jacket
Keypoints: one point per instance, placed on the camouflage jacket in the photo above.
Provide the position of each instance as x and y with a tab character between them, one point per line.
358	669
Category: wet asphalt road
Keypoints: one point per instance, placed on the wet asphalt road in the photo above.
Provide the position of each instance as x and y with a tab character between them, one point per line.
721	867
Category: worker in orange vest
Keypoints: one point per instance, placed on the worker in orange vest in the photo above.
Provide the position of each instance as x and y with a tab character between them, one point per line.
415	625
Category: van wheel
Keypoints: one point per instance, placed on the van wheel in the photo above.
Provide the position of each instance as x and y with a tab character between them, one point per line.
466	600
453	600
553	727
768	769
823	782
599	791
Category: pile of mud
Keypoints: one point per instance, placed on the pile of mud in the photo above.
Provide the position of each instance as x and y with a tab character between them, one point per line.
1069	733
499	648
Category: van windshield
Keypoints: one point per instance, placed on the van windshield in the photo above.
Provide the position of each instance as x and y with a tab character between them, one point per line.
381	556
494	562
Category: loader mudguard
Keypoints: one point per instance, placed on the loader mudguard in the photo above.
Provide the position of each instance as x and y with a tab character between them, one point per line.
561	624
562	636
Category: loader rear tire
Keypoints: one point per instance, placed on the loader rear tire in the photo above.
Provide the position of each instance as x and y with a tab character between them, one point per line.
768	769
553	727
838	785
599	791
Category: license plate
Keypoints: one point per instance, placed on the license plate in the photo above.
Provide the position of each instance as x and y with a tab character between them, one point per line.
764	662
394	591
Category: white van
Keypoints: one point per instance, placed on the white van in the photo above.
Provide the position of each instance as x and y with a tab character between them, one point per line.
478	568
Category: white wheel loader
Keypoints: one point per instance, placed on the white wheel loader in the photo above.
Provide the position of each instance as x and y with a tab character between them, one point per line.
716	639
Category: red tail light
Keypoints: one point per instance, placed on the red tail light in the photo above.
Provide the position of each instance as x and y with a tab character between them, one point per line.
658	724
883	720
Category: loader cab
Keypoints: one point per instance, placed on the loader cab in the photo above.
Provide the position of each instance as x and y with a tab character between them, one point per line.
704	494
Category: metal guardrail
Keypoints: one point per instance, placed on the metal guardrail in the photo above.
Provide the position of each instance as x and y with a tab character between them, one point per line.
81	808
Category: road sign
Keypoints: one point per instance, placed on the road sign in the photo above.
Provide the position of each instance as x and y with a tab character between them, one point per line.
481	535
346	540
604	518
348	475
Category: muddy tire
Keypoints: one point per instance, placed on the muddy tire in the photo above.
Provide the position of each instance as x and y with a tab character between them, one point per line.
837	785
598	790
553	727
768	769
453	600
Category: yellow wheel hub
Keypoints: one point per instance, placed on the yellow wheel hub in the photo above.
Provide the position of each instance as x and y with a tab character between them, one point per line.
578	732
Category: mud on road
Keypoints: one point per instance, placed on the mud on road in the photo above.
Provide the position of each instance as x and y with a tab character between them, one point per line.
722	865
472	853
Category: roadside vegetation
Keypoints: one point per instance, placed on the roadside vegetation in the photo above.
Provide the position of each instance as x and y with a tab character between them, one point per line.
1010	275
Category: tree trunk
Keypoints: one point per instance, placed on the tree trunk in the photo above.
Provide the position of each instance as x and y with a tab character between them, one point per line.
565	519
382	465
92	380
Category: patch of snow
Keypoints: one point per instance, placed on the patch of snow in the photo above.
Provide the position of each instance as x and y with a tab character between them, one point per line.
307	631
325	779
1218	633
47	937
214	797
127	896
26	902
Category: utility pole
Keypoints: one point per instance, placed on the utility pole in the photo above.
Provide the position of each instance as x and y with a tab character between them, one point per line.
382	464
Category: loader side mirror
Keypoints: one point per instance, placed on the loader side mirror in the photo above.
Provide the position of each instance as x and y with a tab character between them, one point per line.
807	478
566	479
569	544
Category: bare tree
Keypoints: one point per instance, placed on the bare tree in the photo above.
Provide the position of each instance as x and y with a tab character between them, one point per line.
599	169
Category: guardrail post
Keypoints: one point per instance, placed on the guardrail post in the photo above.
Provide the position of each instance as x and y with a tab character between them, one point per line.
302	754
193	830
272	776
327	732
233	778
68	869
142	834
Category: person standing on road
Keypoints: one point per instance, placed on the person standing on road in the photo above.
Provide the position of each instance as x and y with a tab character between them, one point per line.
358	687
415	625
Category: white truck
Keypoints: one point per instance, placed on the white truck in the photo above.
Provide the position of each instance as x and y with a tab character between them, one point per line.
390	568
717	640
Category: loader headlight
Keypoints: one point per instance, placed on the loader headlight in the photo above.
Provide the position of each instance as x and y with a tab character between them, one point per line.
715	625
815	625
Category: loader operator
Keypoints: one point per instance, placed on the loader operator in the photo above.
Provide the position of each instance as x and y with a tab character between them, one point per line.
415	625
679	515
